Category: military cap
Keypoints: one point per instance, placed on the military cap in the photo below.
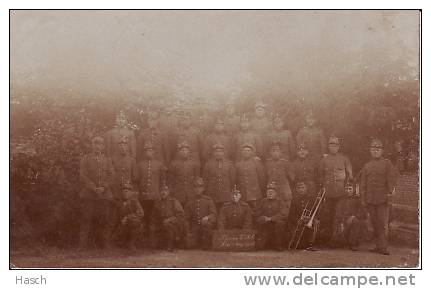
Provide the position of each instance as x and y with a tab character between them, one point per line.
271	186
235	191
127	186
98	140
244	117
376	143
333	140
300	183
148	146
198	182
248	145
302	146
218	146
183	144
164	188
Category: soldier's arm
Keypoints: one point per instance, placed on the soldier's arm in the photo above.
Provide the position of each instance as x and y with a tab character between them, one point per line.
349	169
83	176
213	211
248	219
259	145
282	214
163	174
261	175
391	176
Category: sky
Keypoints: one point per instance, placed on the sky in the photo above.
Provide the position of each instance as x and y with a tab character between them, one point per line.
205	53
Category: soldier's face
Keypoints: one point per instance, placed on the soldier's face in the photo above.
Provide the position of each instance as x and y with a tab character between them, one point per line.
184	153
376	153
236	197
333	148
98	147
301	190
199	190
302	153
219	154
149	153
349	191
260	111
246	153
122	148
271	194
219	127
310	120
164	193
275	153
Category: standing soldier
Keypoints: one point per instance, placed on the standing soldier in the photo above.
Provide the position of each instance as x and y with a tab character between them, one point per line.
201	215
246	135
250	175
218	136
304	168
155	135
335	171
150	175
181	173
168	220
236	214
95	175
231	120
282	136
219	176
312	137
189	134
120	131
260	123
278	172
271	220
377	186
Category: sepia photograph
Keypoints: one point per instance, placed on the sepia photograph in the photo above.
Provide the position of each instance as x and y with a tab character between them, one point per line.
215	139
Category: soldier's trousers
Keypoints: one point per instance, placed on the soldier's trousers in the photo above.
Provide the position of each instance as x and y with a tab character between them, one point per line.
270	235
96	218
379	215
169	234
330	218
202	234
147	206
129	233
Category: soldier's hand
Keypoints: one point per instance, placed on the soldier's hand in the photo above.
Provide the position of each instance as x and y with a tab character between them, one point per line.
205	220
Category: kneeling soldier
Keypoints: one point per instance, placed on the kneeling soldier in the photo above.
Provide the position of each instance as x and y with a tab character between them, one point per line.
168	220
271	220
236	214
201	215
132	215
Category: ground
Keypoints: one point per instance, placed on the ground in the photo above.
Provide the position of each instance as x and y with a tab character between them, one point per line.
328	258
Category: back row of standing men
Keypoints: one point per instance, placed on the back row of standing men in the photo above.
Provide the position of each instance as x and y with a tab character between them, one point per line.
240	154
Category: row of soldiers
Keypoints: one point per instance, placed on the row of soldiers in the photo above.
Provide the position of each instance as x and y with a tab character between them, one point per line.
252	178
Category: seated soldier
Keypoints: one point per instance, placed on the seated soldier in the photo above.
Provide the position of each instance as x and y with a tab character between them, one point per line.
271	220
167	220
297	220
201	216
236	214
131	216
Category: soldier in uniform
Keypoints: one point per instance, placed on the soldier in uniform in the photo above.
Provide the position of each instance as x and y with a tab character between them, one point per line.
218	136
305	168
96	199
236	214
335	171
260	123
271	220
219	176
201	215
312	137
246	135
167	220
250	175
150	175
131	216
158	137
189	134
278	171
181	173
377	186
120	131
282	136
231	120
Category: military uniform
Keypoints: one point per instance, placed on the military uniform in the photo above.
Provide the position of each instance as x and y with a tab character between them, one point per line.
334	170
250	179
125	171
314	139
191	136
306	170
278	171
286	141
378	180
232	124
159	139
181	174
248	137
271	231
112	138
168	221
235	216
197	208
215	138
96	171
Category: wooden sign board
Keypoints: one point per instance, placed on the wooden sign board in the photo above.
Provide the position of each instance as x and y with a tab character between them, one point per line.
234	240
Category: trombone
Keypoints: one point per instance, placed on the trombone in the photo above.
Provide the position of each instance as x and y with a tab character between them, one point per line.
306	220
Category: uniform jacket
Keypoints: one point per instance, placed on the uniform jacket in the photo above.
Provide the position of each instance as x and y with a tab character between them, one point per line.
307	171
160	141
279	171
125	171
213	139
378	179
198	207
313	138
286	141
235	216
232	124
181	174
132	210
335	171
190	135
250	176
219	177
112	138
95	171
247	137
150	175
275	209
169	208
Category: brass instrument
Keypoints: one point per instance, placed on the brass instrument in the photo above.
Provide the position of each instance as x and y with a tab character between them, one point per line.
306	220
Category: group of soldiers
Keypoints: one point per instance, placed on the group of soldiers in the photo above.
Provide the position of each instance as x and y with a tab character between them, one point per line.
173	188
